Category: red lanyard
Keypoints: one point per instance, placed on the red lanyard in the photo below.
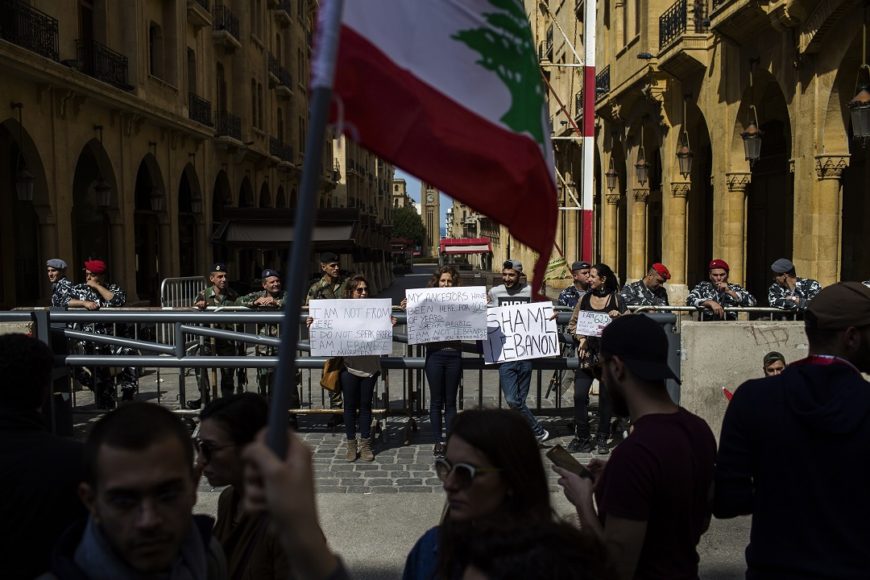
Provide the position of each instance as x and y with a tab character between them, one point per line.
824	360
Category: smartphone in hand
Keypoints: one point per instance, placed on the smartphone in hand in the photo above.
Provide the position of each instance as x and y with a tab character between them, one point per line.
558	455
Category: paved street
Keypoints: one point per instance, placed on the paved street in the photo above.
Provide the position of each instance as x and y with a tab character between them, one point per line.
373	512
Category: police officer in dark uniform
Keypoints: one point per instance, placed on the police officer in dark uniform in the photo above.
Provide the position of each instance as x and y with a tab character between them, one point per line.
219	294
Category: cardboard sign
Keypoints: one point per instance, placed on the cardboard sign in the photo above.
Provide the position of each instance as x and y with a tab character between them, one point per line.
520	332
351	327
441	314
591	323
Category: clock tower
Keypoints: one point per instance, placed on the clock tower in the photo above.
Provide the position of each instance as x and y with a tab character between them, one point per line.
431	209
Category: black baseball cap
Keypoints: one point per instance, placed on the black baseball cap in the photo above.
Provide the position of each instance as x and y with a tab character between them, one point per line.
580	266
513	265
642	345
268	273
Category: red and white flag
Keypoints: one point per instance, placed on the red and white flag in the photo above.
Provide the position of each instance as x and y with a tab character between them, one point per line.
450	91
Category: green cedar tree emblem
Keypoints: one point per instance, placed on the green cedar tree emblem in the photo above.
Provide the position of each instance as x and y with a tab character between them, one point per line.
507	48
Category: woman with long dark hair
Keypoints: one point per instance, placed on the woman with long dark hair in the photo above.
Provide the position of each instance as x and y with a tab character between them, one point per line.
602	296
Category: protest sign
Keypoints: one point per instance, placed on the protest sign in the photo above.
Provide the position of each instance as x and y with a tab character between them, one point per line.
351	327
520	332
591	323
439	314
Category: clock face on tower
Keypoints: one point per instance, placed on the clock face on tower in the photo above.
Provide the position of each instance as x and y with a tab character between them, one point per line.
430	198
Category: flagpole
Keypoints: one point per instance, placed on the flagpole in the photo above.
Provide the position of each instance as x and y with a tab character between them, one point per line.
322	76
589	95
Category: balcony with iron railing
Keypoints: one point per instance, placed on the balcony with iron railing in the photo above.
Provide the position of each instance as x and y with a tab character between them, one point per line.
102	63
29	28
283	12
602	83
743	20
226	27
228	125
682	17
280	150
684	32
199	109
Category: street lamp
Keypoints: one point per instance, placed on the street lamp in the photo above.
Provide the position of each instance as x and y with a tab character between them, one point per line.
610	175
684	152
156	200
752	139
104	193
641	167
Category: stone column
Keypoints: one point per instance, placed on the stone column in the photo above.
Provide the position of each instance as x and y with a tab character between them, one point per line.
167	269
676	231
733	237
47	243
118	251
827	217
611	229
637	246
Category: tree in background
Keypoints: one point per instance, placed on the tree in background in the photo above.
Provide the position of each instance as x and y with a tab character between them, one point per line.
407	223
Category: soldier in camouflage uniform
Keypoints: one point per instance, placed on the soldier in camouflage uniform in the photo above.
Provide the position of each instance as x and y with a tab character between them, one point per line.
218	294
788	291
571	295
717	293
330	286
270	297
649	290
61	286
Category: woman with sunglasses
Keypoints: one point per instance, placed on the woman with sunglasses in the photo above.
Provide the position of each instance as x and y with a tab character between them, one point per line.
493	477
227	425
602	296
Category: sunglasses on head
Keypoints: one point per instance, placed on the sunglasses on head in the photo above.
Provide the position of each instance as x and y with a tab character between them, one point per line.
207	449
463	473
360	289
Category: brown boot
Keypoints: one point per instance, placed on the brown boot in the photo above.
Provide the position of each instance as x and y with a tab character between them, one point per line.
365	449
351	450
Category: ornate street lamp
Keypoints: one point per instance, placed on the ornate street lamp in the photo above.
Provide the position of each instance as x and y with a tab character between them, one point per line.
752	139
611	176
104	193
684	152
859	106
641	168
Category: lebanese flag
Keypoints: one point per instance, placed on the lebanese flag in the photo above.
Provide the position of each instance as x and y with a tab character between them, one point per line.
451	92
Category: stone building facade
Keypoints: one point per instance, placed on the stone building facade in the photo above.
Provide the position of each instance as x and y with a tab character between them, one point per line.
160	135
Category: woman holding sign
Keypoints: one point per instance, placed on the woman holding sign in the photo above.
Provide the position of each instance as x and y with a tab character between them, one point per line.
602	297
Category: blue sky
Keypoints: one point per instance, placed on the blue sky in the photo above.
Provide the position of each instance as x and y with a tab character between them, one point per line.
414	187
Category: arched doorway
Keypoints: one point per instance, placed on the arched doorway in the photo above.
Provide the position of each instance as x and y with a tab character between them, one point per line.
221	198
94	195
265	196
699	204
189	216
149	217
280	198
22	272
248	265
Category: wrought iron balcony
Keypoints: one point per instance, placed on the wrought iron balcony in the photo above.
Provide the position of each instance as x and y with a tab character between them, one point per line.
199	109
28	27
104	64
602	82
683	16
228	125
225	20
280	150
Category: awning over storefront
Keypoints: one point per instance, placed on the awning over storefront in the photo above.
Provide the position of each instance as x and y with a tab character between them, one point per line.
466	246
282	234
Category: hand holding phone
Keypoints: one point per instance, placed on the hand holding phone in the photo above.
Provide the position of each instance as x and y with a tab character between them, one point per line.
558	455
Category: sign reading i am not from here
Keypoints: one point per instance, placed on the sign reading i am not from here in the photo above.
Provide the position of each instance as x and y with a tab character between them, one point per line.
441	314
351	327
520	332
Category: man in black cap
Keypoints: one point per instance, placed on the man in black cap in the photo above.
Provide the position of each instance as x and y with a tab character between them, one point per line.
218	294
331	284
788	291
793	450
571	295
653	495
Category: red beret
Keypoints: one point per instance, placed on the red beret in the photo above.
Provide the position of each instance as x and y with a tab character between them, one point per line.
717	264
95	266
661	270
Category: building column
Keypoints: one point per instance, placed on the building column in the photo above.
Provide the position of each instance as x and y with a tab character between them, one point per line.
676	231
47	243
118	257
827	218
166	269
637	257
611	228
733	238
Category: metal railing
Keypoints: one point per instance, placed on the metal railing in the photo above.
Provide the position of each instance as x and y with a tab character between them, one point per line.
29	28
678	19
224	19
279	72
199	109
280	150
228	125
602	82
102	63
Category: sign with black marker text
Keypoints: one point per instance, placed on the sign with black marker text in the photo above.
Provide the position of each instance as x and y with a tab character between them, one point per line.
591	323
441	314
351	327
520	332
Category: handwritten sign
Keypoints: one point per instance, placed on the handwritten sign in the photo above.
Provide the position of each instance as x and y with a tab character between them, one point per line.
351	327
439	314
591	323
520	332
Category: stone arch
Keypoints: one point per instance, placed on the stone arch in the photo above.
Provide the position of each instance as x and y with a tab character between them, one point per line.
95	195
265	195
699	201
189	221
280	198
222	198
150	222
246	193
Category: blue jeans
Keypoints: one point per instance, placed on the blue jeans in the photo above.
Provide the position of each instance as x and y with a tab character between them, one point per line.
443	371
358	392
514	379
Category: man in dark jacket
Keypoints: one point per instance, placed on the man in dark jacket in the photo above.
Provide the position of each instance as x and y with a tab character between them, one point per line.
140	489
794	446
39	472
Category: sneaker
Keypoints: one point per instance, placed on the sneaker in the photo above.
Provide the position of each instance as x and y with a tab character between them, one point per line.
601	447
578	445
439	450
542	436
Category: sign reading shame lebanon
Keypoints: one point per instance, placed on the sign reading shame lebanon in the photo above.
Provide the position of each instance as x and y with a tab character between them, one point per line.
351	327
520	332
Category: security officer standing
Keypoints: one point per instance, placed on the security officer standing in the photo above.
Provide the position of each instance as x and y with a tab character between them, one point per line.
61	286
218	294
329	287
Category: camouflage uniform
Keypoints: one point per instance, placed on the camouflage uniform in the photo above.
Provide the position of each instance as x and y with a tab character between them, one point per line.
219	346
638	294
61	293
705	291
805	289
570	296
265	376
327	289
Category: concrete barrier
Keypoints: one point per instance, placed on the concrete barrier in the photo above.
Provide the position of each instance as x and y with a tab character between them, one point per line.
14	327
716	355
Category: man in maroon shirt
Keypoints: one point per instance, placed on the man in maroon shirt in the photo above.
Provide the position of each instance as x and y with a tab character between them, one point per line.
654	494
